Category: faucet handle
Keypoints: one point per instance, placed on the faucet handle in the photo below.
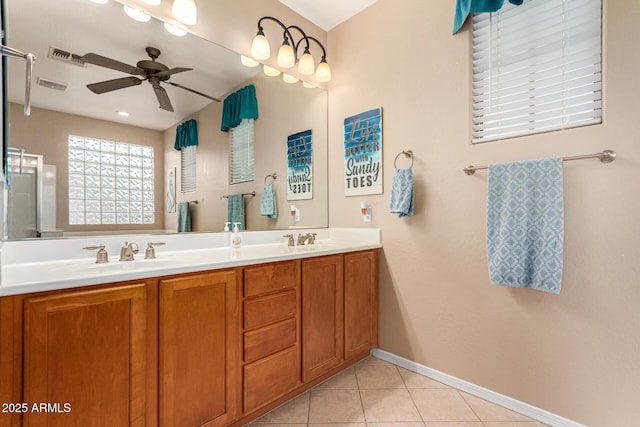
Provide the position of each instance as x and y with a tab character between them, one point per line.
150	252
290	237
102	256
312	238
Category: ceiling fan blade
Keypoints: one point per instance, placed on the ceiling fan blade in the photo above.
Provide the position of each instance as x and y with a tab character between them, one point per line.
163	98
194	91
172	71
103	61
115	84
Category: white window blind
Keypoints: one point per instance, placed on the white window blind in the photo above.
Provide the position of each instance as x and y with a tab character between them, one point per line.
536	68
188	169
241	149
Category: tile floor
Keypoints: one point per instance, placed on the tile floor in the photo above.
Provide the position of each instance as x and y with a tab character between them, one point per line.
375	393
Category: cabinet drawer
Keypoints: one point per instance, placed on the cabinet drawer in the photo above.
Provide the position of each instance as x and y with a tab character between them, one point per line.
270	378
269	309
270	339
269	278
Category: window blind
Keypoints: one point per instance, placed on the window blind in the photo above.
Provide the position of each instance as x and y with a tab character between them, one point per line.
242	152
536	68
188	169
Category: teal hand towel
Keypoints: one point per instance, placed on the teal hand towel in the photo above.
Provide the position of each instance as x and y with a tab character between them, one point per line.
184	217
402	192
525	224
268	202
465	7
235	210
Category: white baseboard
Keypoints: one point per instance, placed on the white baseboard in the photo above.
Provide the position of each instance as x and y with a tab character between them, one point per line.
497	398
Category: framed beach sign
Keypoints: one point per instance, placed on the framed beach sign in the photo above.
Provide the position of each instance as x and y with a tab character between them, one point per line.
300	166
363	153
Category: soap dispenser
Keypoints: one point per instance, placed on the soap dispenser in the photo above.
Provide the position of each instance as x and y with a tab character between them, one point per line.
236	237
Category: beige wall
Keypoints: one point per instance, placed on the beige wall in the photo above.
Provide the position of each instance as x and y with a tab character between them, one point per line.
283	109
576	354
46	132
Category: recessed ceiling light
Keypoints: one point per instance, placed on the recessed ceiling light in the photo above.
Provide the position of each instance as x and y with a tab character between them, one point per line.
136	14
123	113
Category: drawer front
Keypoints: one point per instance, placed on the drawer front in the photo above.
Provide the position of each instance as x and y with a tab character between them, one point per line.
269	309
270	378
268	340
264	279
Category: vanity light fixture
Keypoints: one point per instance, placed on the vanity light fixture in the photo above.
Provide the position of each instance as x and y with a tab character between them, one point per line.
153	2
136	14
123	113
248	62
288	52
185	11
308	85
174	29
99	1
270	71
288	78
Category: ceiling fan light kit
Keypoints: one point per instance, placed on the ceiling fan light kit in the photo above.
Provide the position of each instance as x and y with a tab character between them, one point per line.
288	52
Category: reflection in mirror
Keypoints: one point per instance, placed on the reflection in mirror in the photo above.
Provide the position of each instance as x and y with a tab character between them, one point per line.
60	34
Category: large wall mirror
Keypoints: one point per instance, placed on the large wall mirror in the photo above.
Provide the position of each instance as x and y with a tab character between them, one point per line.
46	169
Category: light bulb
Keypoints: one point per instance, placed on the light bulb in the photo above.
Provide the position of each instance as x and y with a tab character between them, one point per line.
248	62
288	78
270	71
185	11
136	14
175	30
260	48
307	65
323	72
286	57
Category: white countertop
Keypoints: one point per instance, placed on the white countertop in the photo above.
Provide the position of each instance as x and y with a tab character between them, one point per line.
35	266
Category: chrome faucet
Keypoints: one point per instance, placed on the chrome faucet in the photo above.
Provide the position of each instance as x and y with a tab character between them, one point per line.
127	251
309	237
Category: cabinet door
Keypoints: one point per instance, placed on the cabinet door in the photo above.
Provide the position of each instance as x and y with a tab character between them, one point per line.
85	356
198	358
360	303
322	315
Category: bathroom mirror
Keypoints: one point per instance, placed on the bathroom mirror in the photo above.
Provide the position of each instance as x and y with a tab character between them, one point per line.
59	33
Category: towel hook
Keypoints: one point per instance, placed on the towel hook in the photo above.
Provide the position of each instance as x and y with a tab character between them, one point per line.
408	154
273	176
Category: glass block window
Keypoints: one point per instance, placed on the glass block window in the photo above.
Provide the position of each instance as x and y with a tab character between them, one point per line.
109	182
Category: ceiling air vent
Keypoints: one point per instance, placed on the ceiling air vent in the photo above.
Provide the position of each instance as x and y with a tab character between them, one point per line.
64	56
52	84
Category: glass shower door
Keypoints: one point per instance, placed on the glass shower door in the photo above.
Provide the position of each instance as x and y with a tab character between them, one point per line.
24	195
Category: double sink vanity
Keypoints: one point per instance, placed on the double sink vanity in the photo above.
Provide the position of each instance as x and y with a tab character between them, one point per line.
202	335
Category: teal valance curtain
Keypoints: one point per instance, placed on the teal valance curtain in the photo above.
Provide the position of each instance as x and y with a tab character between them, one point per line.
465	7
241	104
186	135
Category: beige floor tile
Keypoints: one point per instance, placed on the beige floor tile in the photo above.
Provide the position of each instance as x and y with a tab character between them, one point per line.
342	380
339	425
373	376
454	424
294	411
388	405
512	424
257	424
335	406
374	361
441	405
488	411
397	424
413	380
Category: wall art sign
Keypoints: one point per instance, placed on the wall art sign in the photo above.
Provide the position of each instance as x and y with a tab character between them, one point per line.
300	166
363	153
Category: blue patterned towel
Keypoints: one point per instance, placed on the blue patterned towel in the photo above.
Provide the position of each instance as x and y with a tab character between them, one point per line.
235	210
525	224
268	202
402	193
184	217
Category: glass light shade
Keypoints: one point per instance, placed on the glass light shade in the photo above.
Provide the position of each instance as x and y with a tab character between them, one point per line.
248	62
286	57
175	30
136	14
260	48
99	1
308	85
288	78
307	65
270	71
153	2
185	11
323	72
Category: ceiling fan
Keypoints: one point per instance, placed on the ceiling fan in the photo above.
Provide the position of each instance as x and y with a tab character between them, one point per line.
150	70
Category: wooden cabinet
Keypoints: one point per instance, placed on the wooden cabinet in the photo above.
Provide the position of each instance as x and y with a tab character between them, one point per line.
360	303
198	350
85	355
270	332
322	315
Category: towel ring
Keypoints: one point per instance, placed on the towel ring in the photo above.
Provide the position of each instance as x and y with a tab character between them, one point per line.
273	176
408	154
